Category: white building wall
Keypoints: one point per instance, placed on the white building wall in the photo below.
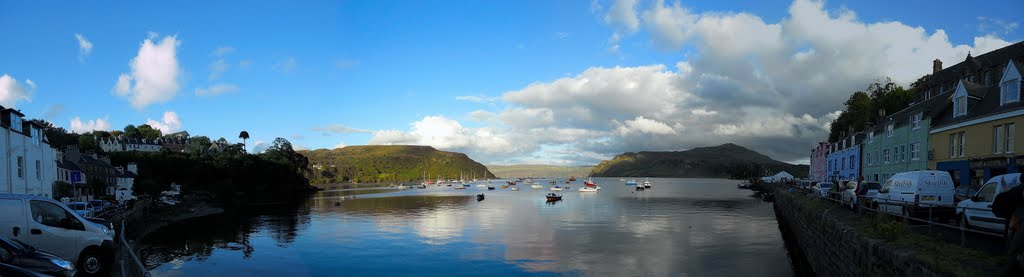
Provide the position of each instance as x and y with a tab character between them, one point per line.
13	145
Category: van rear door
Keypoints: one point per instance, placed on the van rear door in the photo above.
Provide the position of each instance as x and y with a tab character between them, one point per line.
931	189
12	218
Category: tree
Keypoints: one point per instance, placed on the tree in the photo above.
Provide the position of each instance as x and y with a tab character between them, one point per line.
131	131
87	142
148	132
57	136
244	136
116	133
197	144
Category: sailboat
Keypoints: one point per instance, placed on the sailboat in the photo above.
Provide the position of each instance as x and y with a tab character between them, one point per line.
647	183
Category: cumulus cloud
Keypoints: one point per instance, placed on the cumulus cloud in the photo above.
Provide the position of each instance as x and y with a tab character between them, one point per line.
477	98
259	146
84	47
154	73
338	129
217	69
170	123
444	133
12	91
216	89
341	144
287	65
221	51
53	111
80	127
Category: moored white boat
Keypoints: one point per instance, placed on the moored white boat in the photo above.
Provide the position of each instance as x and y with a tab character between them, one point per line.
536	186
647	183
556	188
589	189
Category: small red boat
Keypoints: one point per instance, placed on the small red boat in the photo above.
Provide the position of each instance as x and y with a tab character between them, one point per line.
589	183
554	197
572	178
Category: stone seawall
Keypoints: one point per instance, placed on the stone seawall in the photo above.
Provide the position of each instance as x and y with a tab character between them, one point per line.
834	248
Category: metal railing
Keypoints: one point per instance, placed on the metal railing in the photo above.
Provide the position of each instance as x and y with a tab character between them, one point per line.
839	199
130	263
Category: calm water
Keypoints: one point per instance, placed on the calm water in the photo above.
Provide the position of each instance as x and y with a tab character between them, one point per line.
697	227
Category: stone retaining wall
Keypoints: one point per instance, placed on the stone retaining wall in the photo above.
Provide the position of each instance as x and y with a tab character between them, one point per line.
833	248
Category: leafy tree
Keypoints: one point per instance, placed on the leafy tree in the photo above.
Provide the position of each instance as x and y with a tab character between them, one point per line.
87	142
863	107
57	136
148	132
131	131
116	133
197	144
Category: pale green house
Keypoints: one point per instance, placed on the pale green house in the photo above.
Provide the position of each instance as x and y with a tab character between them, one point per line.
899	142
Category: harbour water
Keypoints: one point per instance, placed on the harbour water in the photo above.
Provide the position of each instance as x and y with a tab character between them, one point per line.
695	227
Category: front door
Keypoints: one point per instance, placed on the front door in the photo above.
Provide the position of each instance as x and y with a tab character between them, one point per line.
54	229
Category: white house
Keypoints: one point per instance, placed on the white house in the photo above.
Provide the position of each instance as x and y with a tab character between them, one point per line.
121	144
29	162
781	176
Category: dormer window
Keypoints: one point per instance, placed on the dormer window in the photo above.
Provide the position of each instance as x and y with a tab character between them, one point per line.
16	122
960	101
888	130
1009	85
915	121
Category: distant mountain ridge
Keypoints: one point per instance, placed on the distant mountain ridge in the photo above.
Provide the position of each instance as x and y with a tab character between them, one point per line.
539	170
389	163
724	161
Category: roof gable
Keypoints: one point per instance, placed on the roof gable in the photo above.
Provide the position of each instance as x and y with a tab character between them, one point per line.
1012	71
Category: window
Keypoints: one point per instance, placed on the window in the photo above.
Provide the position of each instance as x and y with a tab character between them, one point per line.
842	163
997	139
960	149
888	130
915	151
871	136
50	214
885	155
915	121
952	145
21	167
867	158
39	174
1010	91
16	123
903	153
851	162
987	193
960	105
1010	130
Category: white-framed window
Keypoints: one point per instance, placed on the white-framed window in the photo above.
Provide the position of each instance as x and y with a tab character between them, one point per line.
21	167
885	155
959	105
915	121
851	161
952	145
1011	129
997	139
915	151
39	173
888	130
960	149
871	136
903	153
1010	91
842	163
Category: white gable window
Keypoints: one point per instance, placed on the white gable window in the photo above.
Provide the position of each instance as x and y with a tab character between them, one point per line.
915	121
1009	85
960	101
888	130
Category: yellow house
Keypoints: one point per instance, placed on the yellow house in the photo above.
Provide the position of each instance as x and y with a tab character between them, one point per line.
973	135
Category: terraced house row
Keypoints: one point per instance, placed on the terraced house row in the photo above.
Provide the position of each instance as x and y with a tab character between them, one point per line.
963	120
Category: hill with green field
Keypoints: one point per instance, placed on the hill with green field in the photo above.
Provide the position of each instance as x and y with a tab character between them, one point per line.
539	170
389	163
723	161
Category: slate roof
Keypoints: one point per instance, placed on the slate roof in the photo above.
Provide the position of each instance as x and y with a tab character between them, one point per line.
994	59
67	165
988	104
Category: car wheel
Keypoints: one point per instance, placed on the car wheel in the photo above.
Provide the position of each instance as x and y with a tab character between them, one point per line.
963	222
90	263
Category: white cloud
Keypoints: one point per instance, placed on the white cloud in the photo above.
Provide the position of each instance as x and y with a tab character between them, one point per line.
477	98
643	125
996	25
154	73
447	134
259	146
287	65
52	111
170	123
216	89
622	15
338	129
562	35
80	127
222	51
341	144
12	92
84	47
217	69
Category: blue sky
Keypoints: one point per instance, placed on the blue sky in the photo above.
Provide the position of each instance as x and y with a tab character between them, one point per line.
563	82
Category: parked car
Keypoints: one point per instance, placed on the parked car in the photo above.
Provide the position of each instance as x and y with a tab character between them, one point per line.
976	211
823	189
964	192
99	206
17	253
52	227
7	270
862	189
916	192
80	208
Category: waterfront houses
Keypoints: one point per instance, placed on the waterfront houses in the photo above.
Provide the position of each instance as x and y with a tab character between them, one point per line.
899	141
121	144
974	135
819	161
29	161
844	159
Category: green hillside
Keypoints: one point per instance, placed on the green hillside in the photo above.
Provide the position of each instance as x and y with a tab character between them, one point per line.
538	170
723	161
389	163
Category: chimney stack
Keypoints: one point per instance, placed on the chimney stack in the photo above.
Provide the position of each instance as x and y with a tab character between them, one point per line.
936	66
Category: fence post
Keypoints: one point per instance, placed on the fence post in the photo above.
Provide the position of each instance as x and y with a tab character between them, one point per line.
929	219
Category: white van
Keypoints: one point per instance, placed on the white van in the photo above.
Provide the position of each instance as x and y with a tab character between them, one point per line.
52	227
913	193
977	211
